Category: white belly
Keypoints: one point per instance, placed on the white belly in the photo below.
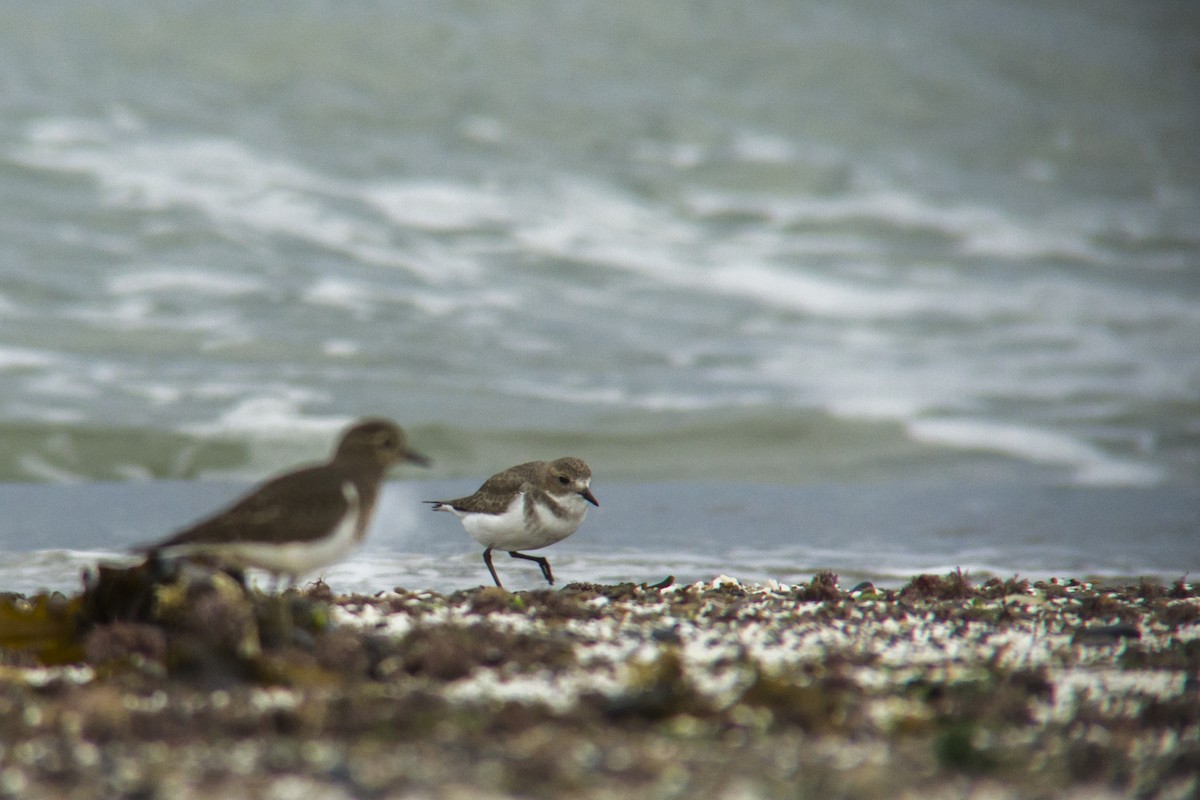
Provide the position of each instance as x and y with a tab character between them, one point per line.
297	558
289	558
513	530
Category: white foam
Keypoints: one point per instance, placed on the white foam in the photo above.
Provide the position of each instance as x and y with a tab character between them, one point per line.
143	312
242	191
789	300
609	228
439	206
51	570
763	148
341	348
194	280
343	293
618	397
883	205
1006	239
26	358
126	312
589	395
442	303
1090	465
71	383
793	289
270	416
581	220
979	230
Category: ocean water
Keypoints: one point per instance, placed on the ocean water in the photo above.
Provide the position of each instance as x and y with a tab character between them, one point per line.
873	264
643	532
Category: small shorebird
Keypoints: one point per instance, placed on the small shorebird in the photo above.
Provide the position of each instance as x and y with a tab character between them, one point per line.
303	520
525	507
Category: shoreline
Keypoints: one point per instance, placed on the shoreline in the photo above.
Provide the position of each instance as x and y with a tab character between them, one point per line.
187	684
882	533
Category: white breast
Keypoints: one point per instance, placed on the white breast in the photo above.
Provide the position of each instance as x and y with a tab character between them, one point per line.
513	530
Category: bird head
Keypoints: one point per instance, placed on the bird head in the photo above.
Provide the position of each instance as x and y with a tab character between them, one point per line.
379	440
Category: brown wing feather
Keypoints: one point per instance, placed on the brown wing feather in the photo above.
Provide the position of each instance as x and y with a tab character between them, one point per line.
302	505
496	492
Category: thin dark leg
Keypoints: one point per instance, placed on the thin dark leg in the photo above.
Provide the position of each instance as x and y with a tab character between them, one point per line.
278	626
541	562
487	559
238	574
160	568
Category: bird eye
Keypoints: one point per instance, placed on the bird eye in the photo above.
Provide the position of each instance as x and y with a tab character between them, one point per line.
564	480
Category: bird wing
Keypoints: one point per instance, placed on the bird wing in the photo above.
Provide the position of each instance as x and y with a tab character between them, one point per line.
299	506
494	496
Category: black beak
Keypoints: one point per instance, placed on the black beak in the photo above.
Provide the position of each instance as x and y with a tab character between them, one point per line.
591	498
412	456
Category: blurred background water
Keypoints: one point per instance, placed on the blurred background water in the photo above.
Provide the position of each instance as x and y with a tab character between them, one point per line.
798	254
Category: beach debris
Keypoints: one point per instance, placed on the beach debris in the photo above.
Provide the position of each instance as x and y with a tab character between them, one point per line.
942	684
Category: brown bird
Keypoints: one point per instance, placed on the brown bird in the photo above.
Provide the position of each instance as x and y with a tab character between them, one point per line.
526	507
303	520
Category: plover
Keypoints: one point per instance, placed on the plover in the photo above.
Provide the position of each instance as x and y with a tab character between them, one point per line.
525	507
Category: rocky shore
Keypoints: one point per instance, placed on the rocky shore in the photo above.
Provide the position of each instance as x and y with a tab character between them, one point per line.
157	684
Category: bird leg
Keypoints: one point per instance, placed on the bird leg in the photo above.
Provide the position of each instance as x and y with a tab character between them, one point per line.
539	560
487	559
278	623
